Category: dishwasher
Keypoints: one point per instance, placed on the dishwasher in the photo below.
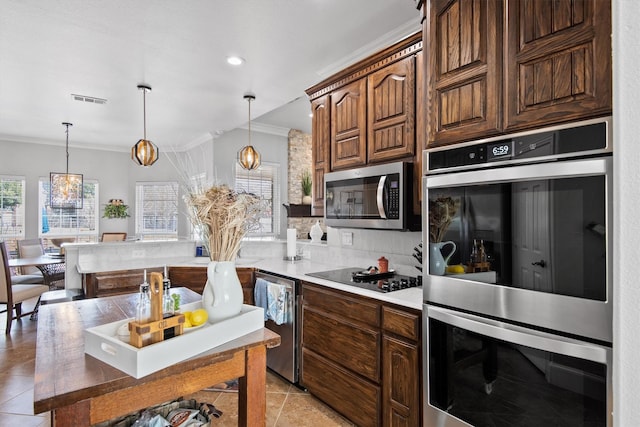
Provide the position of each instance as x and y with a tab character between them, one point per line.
285	359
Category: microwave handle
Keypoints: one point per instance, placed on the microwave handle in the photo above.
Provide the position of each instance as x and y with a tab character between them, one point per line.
380	197
522	336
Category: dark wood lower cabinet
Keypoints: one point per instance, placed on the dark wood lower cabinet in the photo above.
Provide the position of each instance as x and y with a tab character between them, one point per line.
110	283
351	395
362	357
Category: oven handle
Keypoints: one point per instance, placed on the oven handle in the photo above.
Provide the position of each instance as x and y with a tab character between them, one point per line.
522	336
550	170
380	195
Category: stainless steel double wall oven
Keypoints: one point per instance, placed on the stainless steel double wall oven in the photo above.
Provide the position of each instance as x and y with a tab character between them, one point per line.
523	337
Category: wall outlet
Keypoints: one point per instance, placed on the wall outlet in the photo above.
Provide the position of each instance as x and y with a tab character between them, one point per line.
347	238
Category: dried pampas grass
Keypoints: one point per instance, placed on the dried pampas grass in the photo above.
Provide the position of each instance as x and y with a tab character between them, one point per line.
223	216
441	213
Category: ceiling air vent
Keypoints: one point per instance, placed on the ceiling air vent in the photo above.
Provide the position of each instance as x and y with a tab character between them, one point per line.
89	99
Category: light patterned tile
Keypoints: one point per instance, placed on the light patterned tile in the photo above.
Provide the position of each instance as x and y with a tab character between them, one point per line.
306	410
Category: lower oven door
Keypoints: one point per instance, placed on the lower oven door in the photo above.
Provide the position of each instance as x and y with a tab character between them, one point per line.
483	372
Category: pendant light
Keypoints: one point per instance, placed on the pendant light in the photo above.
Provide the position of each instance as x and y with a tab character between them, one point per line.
66	189
145	152
248	157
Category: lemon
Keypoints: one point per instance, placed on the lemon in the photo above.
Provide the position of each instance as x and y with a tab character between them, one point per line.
199	316
455	269
187	323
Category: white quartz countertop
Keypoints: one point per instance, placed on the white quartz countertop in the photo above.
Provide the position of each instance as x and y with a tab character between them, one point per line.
411	297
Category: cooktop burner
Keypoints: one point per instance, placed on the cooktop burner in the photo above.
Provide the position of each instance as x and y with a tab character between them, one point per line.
381	282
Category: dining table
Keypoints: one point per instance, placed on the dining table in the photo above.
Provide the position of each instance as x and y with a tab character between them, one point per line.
52	266
81	390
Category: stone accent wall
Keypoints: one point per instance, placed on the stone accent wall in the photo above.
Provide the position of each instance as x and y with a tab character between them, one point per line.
299	161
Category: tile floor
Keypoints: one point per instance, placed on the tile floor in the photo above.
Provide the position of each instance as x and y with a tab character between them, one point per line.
286	405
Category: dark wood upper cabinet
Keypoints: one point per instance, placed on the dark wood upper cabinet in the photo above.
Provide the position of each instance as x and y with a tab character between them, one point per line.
500	66
558	61
463	70
320	140
391	111
348	125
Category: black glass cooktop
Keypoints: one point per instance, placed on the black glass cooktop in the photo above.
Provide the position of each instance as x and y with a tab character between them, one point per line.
385	282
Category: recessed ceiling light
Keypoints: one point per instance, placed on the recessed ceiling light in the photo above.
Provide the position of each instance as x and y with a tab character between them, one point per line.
235	60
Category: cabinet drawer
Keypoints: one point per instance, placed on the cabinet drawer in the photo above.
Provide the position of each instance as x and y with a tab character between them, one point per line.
403	323
193	278
353	397
343	306
350	345
115	282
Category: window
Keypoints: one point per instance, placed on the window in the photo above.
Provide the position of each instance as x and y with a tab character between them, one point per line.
12	189
82	224
263	182
157	210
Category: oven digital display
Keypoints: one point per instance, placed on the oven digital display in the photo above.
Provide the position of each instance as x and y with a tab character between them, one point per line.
501	150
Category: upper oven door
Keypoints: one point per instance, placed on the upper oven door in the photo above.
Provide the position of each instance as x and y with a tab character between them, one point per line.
534	239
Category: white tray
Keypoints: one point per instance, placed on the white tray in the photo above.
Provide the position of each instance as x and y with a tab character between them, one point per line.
102	343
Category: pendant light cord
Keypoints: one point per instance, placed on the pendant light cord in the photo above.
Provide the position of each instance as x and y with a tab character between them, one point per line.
67	145
144	112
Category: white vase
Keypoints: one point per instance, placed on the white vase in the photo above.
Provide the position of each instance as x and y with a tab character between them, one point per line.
222	295
306	200
316	233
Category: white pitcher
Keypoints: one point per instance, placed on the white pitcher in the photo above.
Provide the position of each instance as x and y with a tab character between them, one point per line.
438	264
222	295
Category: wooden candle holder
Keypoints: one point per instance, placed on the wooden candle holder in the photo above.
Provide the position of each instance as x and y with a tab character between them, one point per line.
153	331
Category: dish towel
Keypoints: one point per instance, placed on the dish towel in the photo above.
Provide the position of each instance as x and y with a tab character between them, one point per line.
277	303
260	295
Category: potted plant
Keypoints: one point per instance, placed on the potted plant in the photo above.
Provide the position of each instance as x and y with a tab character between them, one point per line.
306	187
115	209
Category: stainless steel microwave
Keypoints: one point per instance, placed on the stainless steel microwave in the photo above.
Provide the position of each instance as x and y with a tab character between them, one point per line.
370	197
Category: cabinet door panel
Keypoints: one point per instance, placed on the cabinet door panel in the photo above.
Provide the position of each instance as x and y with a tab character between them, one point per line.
320	134
464	70
401	383
348	125
558	61
390	112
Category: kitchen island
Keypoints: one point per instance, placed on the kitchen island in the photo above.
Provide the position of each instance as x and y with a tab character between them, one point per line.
81	390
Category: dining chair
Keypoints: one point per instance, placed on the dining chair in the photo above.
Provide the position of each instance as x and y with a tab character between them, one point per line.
14	295
113	237
30	248
33	248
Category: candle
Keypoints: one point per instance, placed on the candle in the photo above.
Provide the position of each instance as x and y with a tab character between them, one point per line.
291	242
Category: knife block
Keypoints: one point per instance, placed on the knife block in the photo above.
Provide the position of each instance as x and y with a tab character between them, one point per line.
156	325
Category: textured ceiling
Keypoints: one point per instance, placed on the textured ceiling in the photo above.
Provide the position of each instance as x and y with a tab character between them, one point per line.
50	49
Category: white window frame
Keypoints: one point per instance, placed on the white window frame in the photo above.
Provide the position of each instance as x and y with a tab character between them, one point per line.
241	177
18	217
89	208
144	233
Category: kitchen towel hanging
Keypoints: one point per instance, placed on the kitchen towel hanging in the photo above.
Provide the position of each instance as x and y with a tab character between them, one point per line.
260	295
272	297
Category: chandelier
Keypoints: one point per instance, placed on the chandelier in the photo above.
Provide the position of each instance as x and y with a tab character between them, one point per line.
248	157
145	152
66	189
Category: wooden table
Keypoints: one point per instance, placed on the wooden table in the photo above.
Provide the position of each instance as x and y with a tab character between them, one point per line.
52	268
81	390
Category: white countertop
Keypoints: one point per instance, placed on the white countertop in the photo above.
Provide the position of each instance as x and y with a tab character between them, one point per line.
411	297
